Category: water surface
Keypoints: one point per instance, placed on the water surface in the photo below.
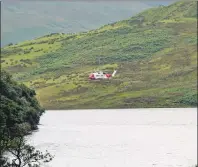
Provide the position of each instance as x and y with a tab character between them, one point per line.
119	138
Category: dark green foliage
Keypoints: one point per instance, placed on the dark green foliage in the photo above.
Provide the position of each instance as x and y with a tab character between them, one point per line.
26	51
18	104
7	52
189	99
19	114
10	44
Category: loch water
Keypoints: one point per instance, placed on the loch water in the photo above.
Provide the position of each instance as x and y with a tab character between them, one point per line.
119	138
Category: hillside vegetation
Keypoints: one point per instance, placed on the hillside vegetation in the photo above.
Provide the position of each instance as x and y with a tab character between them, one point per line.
32	19
155	53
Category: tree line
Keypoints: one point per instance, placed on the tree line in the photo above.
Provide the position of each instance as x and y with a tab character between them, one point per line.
20	114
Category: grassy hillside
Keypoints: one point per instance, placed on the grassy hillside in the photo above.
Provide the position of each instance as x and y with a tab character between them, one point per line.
155	53
32	19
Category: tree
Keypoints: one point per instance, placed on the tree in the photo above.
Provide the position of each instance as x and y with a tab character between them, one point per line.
10	44
25	154
19	114
22	153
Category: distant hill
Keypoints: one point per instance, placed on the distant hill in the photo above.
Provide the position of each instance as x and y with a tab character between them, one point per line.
26	20
155	53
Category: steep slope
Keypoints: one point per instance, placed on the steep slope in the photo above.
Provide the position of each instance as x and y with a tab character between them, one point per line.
155	53
32	19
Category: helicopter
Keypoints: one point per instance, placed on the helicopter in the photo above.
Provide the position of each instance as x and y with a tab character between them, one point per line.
98	75
101	75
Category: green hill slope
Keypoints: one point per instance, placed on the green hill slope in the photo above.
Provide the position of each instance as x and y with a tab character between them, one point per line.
155	53
32	19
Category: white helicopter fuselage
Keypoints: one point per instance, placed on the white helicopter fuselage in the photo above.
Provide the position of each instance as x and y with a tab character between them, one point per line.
101	75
